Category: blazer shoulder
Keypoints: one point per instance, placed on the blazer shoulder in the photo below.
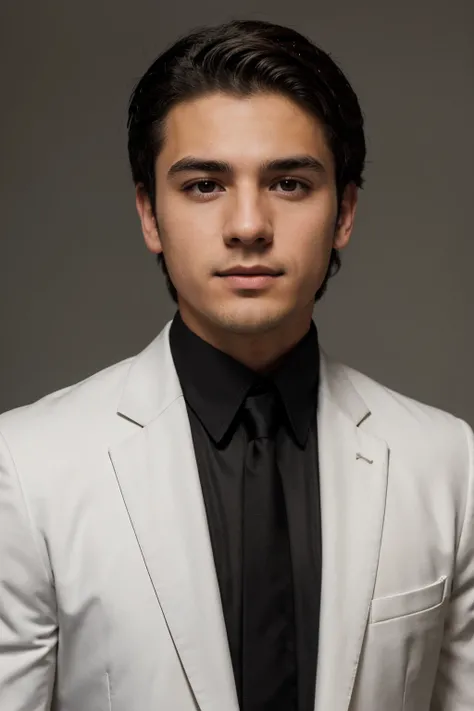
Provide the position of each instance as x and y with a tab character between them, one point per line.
75	411
408	424
387	402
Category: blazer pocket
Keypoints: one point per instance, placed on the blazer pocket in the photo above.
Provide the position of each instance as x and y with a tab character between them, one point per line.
408	603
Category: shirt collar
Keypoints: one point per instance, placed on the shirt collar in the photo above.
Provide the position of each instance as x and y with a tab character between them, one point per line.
215	385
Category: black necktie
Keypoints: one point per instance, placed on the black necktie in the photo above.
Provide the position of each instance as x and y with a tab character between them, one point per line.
268	644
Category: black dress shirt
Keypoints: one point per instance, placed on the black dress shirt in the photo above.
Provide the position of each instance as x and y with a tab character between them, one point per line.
215	386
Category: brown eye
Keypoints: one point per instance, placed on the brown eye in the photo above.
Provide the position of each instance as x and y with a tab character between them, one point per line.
289	185
292	185
206	187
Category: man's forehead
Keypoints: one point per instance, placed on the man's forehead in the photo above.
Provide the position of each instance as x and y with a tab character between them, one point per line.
227	114
232	129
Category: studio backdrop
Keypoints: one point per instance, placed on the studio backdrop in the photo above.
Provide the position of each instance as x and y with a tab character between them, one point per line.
79	291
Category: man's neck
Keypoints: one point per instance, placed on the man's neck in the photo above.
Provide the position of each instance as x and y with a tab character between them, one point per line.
260	351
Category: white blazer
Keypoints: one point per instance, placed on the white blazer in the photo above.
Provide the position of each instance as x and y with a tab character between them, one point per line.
109	599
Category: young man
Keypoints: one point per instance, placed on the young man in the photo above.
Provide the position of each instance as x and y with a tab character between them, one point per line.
231	519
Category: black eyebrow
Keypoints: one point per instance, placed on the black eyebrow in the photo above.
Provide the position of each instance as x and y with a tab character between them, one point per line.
191	163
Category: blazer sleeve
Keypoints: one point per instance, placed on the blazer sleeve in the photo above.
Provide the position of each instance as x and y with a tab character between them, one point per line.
28	628
454	687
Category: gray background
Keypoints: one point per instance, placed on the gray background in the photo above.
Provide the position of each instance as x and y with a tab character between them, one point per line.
79	291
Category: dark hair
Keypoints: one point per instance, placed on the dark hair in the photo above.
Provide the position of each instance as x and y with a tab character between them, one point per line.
242	58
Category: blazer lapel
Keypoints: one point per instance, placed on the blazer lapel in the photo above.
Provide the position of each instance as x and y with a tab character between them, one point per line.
157	474
353	481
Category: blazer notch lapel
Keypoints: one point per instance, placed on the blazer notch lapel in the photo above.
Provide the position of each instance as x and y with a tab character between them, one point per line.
353	473
157	474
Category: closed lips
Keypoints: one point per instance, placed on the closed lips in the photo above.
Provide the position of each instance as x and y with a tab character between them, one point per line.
251	271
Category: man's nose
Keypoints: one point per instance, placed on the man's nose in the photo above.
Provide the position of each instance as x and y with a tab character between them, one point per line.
248	221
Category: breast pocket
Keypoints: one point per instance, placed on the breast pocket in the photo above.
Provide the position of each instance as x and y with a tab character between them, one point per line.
408	603
401	649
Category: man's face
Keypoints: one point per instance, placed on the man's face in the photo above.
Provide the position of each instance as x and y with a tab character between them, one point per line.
280	218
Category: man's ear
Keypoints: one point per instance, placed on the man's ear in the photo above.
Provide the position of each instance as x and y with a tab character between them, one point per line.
346	218
147	220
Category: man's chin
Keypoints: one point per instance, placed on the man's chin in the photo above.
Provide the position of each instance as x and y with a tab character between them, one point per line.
245	317
261	321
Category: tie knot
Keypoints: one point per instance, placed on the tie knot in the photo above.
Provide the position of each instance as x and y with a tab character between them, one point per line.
261	414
